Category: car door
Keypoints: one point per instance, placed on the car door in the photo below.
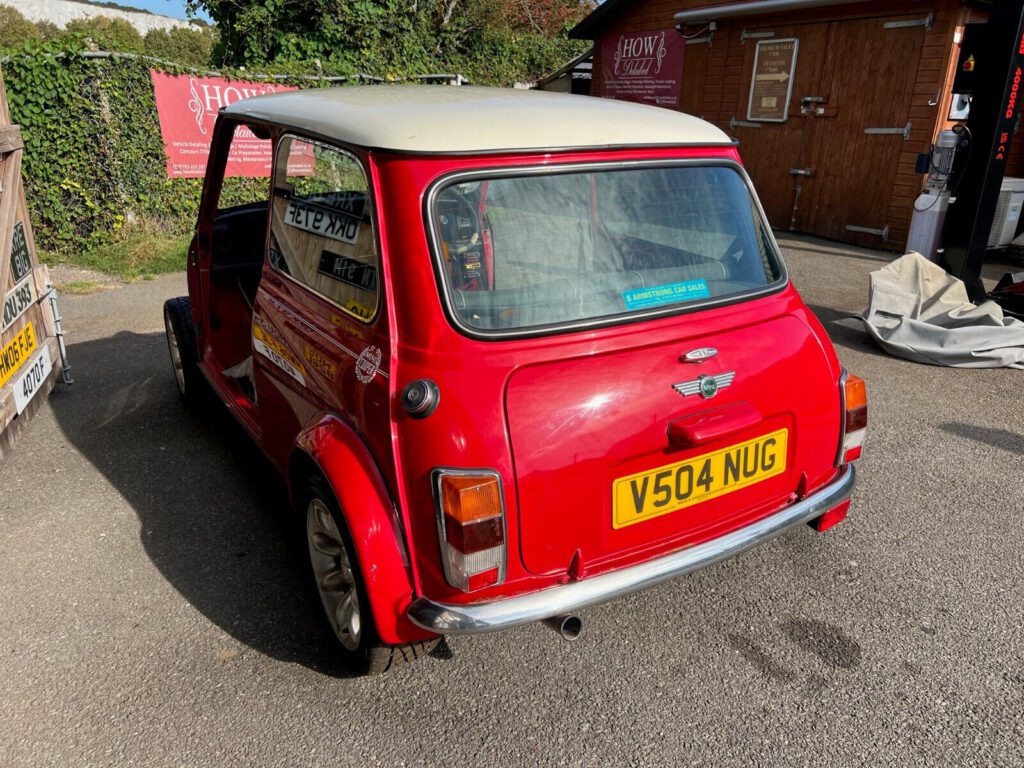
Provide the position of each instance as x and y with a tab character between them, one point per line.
320	341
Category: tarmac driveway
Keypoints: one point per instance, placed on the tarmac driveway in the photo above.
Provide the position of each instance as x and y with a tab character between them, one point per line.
153	611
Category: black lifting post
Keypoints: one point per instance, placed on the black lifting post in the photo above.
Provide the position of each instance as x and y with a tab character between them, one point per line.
993	69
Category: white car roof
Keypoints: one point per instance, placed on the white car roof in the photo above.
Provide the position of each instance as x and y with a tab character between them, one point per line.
465	119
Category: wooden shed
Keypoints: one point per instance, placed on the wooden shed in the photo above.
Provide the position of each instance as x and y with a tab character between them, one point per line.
832	101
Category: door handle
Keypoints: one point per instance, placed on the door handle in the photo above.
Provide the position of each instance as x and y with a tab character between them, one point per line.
708	426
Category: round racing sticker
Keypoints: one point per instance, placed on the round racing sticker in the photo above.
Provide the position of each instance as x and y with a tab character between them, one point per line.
368	364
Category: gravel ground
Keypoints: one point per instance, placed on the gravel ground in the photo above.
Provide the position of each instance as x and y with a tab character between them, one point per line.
153	612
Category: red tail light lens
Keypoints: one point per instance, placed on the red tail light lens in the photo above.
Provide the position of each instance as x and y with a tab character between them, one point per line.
471	527
855	418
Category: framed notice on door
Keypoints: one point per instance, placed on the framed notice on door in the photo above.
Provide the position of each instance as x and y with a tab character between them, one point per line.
771	86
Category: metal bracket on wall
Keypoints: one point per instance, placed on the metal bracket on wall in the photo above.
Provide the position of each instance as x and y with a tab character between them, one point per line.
705	40
734	123
904	132
928	22
882	233
744	35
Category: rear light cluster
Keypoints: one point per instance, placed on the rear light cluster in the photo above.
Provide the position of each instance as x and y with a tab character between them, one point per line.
471	527
855	418
855	428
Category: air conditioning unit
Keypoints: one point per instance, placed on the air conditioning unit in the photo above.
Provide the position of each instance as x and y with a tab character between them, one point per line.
1008	210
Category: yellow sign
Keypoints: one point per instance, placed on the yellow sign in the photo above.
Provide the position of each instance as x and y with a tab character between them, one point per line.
16	352
658	492
276	352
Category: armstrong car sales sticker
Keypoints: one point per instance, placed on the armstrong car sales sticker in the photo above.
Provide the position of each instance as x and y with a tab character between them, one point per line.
659	295
17	300
278	354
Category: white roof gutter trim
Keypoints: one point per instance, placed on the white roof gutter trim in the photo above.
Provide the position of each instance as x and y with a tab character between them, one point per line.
756	8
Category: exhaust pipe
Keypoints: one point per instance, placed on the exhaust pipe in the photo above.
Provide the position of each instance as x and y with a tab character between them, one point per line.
567	626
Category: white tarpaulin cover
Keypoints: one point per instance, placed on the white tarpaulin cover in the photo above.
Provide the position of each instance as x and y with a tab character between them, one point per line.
918	311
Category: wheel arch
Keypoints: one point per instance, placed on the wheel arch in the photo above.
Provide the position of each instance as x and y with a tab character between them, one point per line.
329	448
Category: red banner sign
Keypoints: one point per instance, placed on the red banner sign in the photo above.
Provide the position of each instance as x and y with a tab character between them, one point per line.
187	107
643	66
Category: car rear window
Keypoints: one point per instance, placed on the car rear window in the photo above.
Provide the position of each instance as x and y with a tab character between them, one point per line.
556	249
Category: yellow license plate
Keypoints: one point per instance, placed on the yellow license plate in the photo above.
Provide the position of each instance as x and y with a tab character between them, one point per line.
658	492
16	352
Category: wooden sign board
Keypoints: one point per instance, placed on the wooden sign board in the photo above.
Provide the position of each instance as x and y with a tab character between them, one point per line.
771	86
31	353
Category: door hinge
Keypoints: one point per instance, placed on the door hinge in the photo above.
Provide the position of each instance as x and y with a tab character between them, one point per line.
734	123
882	233
904	131
808	172
927	22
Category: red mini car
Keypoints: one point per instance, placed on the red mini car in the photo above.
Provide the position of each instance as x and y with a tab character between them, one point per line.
515	353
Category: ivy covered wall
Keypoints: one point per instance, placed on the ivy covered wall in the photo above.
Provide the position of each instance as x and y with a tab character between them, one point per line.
94	159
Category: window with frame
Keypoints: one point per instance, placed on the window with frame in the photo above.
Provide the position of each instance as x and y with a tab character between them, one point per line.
322	231
553	248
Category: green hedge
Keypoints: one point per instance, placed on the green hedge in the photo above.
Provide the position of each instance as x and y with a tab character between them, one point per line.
94	161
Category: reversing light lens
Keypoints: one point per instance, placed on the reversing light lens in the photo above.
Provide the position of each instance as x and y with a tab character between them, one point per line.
471	522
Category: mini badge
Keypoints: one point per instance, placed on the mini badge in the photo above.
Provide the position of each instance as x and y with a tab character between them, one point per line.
699	355
705	386
368	364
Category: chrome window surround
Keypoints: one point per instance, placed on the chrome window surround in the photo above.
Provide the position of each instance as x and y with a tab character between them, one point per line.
373	224
442	535
484	174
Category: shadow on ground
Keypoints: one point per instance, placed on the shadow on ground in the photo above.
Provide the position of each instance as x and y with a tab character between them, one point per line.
213	513
992	436
845	329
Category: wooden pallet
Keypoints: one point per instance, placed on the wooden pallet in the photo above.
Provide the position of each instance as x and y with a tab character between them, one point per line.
30	352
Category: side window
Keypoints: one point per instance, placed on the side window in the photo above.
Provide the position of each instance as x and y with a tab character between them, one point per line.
240	219
322	228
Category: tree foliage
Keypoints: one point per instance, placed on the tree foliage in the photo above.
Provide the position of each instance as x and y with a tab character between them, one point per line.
15	29
393	37
106	34
181	45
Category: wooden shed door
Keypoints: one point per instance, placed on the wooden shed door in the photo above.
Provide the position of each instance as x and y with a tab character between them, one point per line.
776	153
868	79
829	170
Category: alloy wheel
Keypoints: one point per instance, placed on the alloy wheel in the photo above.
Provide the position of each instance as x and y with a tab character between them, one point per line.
332	569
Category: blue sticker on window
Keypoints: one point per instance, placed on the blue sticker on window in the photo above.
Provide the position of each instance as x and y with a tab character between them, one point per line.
656	295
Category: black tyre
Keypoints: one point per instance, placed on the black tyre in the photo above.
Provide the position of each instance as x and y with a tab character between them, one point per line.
337	580
181	344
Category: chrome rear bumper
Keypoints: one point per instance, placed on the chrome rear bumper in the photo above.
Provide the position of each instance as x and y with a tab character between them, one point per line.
452	619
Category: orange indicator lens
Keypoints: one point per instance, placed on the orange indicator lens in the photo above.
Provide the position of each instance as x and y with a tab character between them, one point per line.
468	498
856	393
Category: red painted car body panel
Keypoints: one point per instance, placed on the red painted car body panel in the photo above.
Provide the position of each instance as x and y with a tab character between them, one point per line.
556	415
377	531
